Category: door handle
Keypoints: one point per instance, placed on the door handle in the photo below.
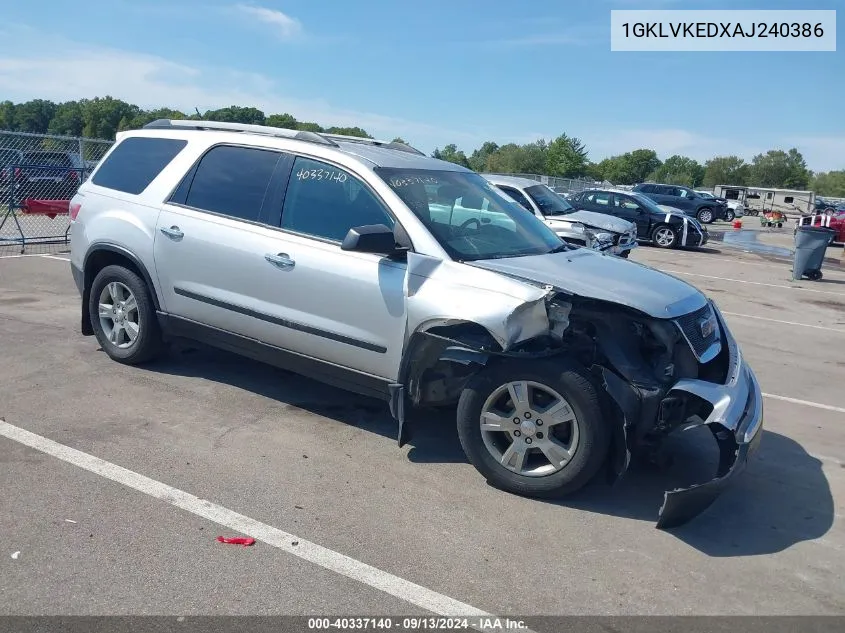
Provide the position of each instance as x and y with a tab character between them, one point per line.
174	233
280	260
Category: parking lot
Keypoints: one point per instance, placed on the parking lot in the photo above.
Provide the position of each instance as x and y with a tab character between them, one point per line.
347	522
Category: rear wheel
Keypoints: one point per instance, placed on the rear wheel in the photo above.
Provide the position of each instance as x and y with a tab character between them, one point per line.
123	316
664	236
533	428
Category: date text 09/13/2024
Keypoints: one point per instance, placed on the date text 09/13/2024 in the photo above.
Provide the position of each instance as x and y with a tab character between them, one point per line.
417	623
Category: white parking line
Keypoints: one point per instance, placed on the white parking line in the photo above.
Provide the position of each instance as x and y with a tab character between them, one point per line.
805	403
756	283
64	259
759	318
328	559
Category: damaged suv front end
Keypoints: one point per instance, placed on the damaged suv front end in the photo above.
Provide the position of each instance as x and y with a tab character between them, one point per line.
666	368
616	351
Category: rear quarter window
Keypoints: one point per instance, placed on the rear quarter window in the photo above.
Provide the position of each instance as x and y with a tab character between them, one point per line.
136	162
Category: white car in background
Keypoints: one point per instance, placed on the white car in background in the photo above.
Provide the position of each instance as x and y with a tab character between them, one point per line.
733	205
598	231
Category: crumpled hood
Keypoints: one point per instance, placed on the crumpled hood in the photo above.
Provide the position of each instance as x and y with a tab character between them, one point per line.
595	220
589	274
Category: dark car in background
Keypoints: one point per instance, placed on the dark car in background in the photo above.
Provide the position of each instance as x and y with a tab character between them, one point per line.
706	210
655	225
50	175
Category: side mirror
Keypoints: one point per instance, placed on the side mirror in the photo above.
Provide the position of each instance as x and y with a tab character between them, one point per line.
372	238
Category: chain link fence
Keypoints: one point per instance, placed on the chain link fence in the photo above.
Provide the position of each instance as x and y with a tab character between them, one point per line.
39	174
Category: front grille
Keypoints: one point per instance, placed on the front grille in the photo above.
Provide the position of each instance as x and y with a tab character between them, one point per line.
690	325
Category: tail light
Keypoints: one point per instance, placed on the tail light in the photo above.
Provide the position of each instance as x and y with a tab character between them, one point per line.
74	210
18	173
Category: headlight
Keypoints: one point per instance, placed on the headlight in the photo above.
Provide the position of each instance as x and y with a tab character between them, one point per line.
602	240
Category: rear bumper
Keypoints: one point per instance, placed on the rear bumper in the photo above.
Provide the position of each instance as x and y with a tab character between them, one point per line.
77	278
736	422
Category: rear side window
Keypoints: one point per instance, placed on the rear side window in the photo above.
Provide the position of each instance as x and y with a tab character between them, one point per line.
517	195
136	162
233	181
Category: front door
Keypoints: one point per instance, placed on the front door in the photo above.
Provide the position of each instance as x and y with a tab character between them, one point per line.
353	304
629	209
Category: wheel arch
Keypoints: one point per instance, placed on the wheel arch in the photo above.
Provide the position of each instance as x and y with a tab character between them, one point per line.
104	254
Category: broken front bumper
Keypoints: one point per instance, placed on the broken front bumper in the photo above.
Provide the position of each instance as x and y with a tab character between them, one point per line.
736	422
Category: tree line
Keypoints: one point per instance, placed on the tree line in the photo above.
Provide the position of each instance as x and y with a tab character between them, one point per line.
564	156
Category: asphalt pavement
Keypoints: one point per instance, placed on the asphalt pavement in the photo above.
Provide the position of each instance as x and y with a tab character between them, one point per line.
384	530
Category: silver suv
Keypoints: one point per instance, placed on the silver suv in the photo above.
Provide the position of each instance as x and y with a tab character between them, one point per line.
373	267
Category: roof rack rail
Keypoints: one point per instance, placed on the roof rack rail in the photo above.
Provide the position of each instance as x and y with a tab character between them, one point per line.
402	147
189	124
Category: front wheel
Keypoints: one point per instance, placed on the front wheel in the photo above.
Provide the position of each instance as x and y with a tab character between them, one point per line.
705	215
729	215
533	428
664	237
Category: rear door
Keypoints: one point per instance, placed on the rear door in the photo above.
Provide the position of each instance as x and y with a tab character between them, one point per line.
212	237
599	201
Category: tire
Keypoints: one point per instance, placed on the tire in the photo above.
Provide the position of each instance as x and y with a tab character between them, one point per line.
147	343
660	236
624	254
589	435
705	215
730	215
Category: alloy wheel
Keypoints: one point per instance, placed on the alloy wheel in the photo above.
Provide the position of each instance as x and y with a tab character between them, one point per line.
118	311
529	428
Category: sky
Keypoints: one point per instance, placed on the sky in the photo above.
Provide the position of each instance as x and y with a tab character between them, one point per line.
436	72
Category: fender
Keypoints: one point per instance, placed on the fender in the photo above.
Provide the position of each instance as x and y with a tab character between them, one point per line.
111	253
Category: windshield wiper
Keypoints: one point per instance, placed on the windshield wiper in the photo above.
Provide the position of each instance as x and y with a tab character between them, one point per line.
559	249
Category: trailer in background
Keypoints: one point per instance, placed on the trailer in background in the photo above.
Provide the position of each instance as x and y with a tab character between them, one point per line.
759	200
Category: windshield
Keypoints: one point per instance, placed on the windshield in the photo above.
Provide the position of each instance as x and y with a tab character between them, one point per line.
468	216
704	194
549	202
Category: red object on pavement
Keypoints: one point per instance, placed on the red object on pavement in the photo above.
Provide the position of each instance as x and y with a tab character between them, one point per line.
737	224
237	540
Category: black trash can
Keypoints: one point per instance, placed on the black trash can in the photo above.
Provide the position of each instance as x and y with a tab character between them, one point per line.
811	244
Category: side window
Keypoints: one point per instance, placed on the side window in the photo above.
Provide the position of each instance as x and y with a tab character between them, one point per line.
136	162
788	200
626	202
648	188
601	199
233	181
326	201
517	195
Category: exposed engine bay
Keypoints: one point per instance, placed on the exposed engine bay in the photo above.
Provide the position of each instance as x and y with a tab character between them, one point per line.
642	363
